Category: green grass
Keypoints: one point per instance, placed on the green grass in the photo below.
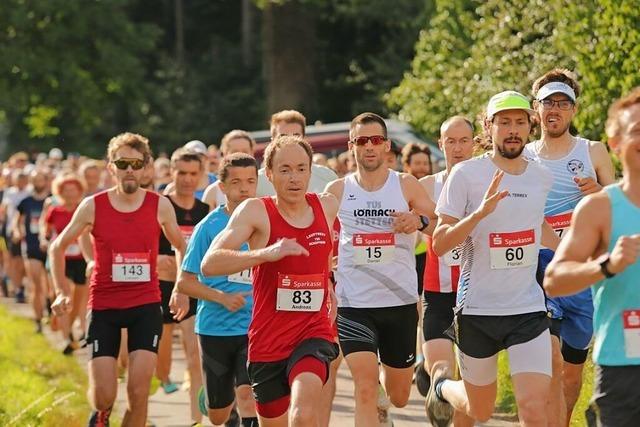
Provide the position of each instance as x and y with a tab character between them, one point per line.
39	386
506	402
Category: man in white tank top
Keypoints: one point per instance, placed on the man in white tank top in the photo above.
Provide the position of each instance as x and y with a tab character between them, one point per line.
376	279
579	167
500	304
441	282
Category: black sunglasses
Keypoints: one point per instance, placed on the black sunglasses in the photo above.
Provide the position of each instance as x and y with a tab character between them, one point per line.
123	164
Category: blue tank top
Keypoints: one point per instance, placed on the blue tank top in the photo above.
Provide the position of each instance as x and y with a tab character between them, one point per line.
199	193
617	300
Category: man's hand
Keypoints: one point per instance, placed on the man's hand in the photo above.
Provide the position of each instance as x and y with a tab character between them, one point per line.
283	248
492	196
587	185
235	301
178	305
61	305
624	253
405	222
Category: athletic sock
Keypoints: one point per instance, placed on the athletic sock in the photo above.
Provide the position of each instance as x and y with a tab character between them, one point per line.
250	422
438	389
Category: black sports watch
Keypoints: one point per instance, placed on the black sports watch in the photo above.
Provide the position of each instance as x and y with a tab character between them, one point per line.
425	222
605	270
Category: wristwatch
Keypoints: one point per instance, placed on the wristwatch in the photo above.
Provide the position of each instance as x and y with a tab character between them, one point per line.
605	270
425	222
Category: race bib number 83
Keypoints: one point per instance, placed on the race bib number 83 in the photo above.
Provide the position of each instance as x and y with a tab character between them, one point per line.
513	250
300	292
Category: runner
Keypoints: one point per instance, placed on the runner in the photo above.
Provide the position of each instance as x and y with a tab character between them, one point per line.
499	304
293	123
68	190
186	169
442	273
225	303
207	178
26	228
601	248
377	285
291	341
236	141
579	167
125	222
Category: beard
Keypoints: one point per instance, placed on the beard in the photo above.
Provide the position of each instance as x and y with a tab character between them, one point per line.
511	154
130	186
370	167
557	133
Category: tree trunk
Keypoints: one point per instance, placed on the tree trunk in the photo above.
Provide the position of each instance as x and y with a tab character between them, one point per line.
179	17
247	32
288	57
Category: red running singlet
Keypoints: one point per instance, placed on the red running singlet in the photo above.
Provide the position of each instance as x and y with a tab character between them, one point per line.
290	295
438	276
125	247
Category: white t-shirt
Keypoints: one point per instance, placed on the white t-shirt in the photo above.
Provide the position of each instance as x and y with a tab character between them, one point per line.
320	177
500	255
12	198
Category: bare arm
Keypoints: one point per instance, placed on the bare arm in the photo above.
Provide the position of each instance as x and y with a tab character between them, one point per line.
549	238
168	222
602	163
224	256
188	284
209	196
574	266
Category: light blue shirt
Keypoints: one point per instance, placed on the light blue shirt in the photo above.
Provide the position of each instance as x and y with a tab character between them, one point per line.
213	318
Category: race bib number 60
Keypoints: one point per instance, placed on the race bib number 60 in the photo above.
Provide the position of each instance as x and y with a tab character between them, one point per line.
131	267
513	250
373	248
300	292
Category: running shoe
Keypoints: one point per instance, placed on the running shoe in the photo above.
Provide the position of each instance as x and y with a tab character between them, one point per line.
169	387
234	419
202	402
70	348
384	416
20	298
99	418
155	384
422	380
439	412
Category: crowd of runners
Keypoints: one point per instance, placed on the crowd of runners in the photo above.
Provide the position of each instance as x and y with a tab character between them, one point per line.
276	273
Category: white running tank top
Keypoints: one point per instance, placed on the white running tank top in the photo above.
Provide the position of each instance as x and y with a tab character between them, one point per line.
500	255
564	194
376	267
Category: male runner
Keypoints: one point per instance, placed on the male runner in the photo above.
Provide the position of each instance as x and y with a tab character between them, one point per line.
442	273
186	169
500	305
125	222
26	228
601	248
376	278
235	141
224	309
291	341
579	167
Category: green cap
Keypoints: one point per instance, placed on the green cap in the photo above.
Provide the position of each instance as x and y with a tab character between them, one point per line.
508	100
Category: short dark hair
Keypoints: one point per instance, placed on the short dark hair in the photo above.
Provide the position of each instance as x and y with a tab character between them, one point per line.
185	155
236	160
412	149
366	118
561	75
284	140
613	120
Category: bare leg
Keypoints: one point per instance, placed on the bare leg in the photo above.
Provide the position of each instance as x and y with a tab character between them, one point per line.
142	364
556	407
329	392
365	373
190	344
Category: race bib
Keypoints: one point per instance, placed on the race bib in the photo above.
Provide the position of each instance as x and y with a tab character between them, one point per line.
73	250
300	292
243	277
452	258
186	231
131	267
375	248
631	325
513	250
34	225
559	223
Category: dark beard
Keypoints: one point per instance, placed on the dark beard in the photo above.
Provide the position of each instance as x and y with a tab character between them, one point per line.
511	155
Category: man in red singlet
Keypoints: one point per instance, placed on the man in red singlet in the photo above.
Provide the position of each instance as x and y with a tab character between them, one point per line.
125	222
291	341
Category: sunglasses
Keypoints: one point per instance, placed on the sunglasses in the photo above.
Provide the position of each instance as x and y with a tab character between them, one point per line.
123	164
362	140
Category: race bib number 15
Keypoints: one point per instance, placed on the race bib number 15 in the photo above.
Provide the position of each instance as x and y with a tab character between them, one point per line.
513	250
373	248
131	267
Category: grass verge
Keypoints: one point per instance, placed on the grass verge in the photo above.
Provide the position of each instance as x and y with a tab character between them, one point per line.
506	402
39	385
